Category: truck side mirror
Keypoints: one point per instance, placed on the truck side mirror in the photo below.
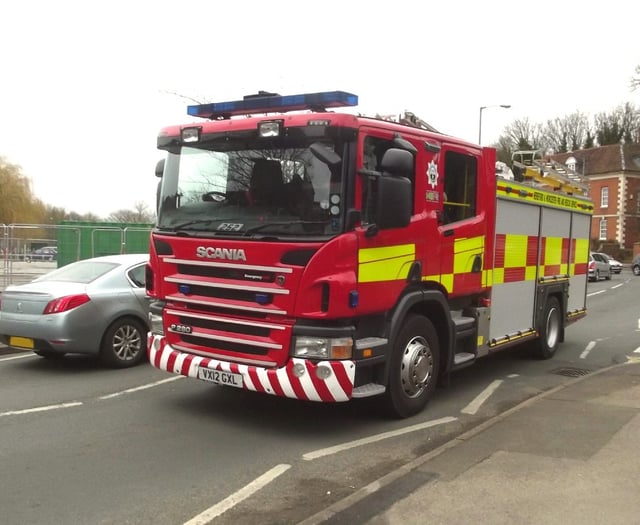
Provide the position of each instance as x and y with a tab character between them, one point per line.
394	202
397	162
160	168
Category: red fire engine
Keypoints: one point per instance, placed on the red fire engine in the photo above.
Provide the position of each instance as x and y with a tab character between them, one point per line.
325	256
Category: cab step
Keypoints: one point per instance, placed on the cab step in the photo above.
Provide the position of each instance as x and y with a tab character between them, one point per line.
463	357
368	390
466	329
465	326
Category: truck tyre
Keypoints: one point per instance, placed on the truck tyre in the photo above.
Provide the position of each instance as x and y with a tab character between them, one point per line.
413	371
124	343
550	329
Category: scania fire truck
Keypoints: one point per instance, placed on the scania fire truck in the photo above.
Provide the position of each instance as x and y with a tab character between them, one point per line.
321	255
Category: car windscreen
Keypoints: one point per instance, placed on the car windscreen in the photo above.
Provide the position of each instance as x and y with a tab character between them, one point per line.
79	272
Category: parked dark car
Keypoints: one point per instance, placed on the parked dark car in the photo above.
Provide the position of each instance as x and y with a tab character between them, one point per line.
46	253
96	306
598	267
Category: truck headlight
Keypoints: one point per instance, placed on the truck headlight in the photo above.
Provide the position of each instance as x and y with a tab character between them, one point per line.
323	347
155	321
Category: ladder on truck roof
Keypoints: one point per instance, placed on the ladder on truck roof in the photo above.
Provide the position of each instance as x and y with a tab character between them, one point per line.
529	166
408	119
411	119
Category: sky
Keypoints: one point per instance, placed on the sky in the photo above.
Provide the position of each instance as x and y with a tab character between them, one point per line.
86	86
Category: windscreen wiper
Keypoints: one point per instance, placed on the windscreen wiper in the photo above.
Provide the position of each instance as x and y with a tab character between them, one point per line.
285	224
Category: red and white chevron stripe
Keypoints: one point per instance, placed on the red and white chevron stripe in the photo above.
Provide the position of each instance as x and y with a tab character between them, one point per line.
275	381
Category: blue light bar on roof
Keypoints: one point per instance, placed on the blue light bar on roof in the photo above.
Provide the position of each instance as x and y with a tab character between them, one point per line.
273	104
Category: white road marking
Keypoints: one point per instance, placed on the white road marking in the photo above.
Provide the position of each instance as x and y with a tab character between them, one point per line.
213	512
21	356
79	403
588	349
474	406
372	439
617	286
141	387
595	293
511	376
637	350
40	409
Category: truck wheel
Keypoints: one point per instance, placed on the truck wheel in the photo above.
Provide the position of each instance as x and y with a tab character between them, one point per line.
124	343
414	366
550	330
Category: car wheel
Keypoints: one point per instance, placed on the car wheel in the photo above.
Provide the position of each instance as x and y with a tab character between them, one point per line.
124	344
414	367
550	330
636	269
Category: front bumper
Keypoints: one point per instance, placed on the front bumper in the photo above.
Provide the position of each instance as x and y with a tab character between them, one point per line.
296	380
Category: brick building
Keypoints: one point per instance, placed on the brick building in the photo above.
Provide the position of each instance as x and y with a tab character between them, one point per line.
613	176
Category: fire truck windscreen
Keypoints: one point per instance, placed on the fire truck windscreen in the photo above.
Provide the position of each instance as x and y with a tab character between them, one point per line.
288	190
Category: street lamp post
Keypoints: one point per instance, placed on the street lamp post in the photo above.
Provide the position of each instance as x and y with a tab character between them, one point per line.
506	106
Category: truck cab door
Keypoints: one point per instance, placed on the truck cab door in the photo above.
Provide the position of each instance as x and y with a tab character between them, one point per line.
462	225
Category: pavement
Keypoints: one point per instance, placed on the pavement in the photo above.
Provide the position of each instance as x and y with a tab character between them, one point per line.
567	456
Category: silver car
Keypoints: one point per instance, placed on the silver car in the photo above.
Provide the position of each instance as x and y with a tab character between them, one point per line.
96	306
598	267
616	266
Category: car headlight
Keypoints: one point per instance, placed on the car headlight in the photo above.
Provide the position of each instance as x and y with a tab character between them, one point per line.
323	347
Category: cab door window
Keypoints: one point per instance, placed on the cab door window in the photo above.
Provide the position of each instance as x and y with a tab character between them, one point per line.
460	187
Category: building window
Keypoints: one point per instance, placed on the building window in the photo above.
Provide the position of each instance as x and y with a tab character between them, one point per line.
604	197
603	230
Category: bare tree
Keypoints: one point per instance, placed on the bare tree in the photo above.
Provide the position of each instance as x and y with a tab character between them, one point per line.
504	149
522	134
635	81
566	134
139	214
622	123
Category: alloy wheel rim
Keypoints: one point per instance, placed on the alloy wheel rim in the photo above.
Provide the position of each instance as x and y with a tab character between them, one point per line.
127	343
